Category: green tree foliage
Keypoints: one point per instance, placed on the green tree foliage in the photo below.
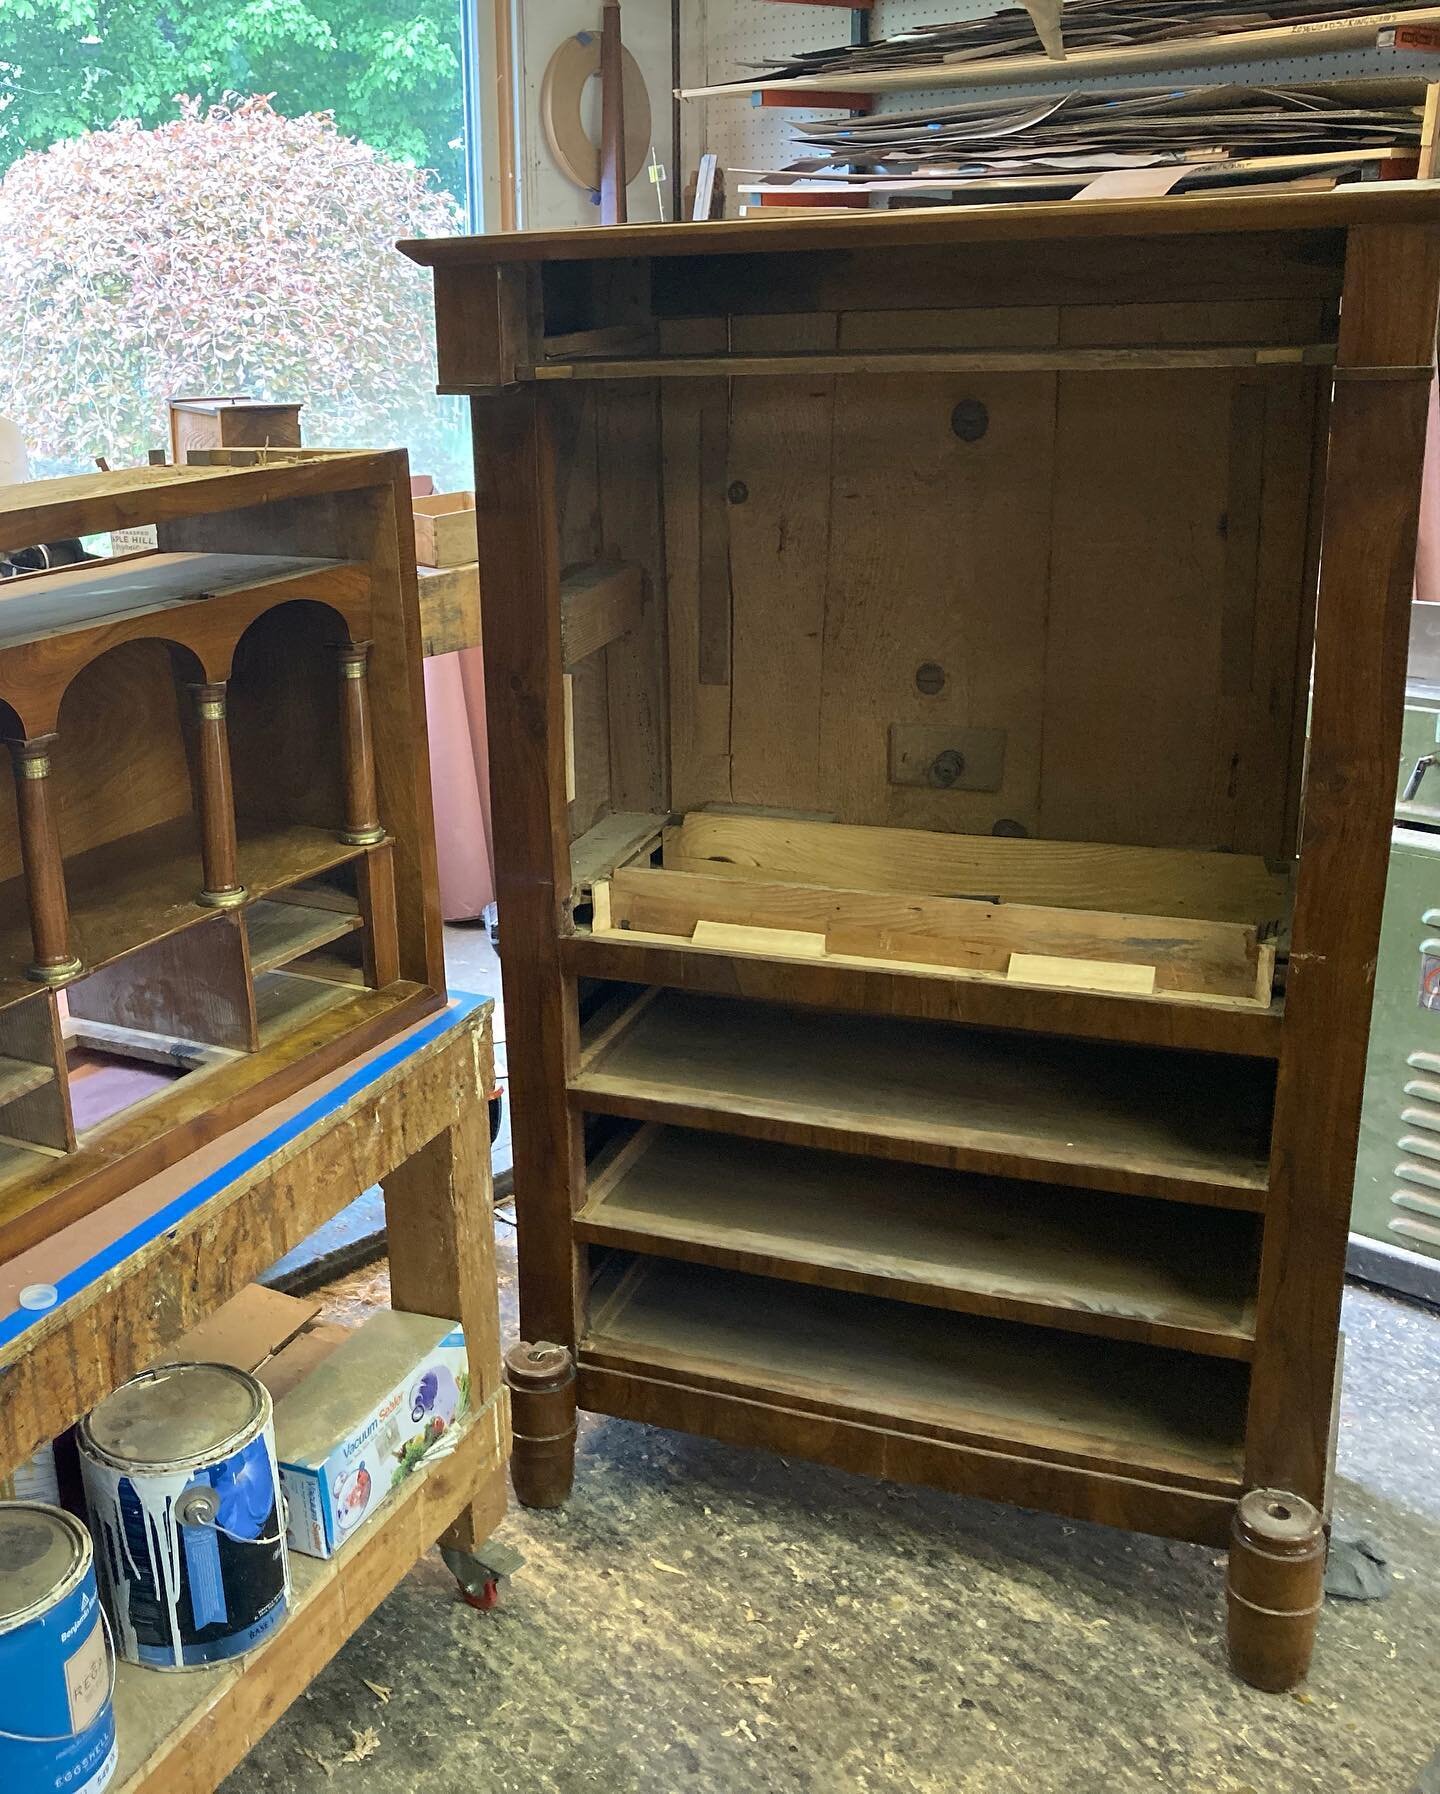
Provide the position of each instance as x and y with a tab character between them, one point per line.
388	69
229	251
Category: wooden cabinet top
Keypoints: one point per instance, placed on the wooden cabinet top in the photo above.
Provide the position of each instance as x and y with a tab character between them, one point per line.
1391	202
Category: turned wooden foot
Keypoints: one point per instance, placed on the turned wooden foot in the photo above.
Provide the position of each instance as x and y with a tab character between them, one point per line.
542	1415
1274	1588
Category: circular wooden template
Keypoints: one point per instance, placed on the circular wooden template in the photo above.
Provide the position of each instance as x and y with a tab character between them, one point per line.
566	76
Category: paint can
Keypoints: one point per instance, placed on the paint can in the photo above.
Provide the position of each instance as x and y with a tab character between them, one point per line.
185	1504
57	1720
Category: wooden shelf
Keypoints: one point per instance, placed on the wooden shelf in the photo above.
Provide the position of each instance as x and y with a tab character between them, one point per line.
280	932
936	361
50	602
142	887
17	1078
1125	1408
1115	1266
1187	1126
1322	38
284	1001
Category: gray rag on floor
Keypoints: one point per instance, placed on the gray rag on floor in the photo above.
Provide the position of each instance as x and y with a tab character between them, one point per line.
1358	1570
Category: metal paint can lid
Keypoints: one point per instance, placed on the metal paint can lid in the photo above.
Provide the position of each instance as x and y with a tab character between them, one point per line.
44	1552
176	1416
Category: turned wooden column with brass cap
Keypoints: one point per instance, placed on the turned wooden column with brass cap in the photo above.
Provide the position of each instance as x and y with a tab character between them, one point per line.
357	748
219	854
44	867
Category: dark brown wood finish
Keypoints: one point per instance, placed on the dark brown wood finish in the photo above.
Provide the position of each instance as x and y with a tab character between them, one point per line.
1139	393
53	961
179	751
216	797
515	517
1377	436
357	748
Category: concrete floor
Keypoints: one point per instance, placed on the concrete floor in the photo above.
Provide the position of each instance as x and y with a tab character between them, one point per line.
711	1619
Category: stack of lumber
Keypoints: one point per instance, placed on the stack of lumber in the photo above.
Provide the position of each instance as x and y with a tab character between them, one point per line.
1086	24
1157	140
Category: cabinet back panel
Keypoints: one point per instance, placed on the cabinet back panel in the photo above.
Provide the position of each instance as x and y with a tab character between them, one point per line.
120	761
1109	569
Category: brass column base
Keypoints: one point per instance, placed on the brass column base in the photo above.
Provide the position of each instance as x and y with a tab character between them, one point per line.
363	837
60	973
231	899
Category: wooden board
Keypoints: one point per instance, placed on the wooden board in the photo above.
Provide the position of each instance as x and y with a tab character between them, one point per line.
1175	1416
1184	957
1080	874
38	604
610	843
1109	1265
279	931
1182	1126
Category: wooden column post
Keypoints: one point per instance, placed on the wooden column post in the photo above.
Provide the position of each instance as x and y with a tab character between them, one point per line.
519	551
357	748
219	853
1372	494
44	867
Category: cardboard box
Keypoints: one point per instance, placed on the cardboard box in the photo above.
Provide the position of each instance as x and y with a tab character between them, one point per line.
445	529
363	1418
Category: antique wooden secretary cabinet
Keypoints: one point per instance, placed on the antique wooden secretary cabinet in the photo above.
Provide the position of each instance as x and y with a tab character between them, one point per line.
218	877
938	962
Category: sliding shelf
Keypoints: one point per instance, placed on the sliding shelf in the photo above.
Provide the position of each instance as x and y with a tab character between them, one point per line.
1186	1126
937	361
18	1078
1098	1405
1115	1266
1321	37
280	932
142	887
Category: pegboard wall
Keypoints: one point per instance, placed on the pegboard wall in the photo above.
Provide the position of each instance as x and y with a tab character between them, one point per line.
723	40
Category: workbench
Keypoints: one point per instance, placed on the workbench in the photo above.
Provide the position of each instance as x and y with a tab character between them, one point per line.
131	1279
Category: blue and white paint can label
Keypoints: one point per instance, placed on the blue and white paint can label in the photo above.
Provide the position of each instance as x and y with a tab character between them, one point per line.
185	1503
57	1719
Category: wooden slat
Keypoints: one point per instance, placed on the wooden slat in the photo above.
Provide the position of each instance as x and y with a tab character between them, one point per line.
929	993
281	931
597	605
1097	1405
1186	956
1079	874
1113	1266
19	1079
610	843
1189	1128
933	361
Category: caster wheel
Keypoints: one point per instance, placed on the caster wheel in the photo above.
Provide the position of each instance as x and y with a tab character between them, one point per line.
485	1597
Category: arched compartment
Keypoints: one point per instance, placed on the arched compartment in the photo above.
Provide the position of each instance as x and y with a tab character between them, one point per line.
284	720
